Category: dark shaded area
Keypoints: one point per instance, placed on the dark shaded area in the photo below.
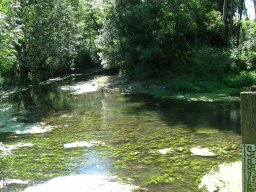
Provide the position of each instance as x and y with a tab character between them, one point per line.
39	102
222	116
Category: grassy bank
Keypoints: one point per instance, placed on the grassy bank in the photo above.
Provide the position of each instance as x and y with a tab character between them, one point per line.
225	89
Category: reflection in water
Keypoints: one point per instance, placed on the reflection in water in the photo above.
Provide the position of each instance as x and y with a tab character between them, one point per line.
23	112
26	97
31	105
222	116
39	102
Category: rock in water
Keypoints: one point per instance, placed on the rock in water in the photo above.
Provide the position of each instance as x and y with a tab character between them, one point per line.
203	152
83	144
165	151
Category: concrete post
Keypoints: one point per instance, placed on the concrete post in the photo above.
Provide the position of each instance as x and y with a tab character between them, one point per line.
248	128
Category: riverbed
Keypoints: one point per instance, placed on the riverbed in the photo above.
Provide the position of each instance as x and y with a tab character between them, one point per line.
70	132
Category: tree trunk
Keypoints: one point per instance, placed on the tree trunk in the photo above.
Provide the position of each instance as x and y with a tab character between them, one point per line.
224	19
231	29
24	74
240	14
224	11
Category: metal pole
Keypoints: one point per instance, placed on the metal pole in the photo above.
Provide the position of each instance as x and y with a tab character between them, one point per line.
248	128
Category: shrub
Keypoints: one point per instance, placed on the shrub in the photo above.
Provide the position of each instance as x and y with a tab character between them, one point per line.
211	62
244	56
244	79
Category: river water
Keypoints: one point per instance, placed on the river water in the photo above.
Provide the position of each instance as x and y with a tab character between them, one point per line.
53	133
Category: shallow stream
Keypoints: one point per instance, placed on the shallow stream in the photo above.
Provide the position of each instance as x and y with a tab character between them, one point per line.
53	133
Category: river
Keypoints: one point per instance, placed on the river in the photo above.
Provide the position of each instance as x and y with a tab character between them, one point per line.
59	137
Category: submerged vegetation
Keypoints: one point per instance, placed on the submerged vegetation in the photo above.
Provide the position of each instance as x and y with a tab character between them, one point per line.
143	141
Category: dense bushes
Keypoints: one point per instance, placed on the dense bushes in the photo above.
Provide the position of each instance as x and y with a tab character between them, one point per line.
148	38
244	56
211	62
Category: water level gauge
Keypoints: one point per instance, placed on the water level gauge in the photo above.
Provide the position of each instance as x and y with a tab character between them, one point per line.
249	168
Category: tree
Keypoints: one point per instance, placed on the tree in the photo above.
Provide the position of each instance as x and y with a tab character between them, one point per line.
240	14
231	18
10	32
51	37
224	13
43	38
149	37
228	19
92	24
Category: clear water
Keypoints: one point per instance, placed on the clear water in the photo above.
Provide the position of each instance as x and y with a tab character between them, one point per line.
127	132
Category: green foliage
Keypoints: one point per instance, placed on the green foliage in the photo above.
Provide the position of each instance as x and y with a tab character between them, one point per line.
145	38
88	51
214	21
210	62
43	38
244	79
51	44
190	85
244	56
213	25
10	32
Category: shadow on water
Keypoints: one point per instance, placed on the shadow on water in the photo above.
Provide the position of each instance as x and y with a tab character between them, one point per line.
42	100
23	110
221	116
37	102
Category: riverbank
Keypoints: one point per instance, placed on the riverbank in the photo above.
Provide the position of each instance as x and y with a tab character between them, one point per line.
174	88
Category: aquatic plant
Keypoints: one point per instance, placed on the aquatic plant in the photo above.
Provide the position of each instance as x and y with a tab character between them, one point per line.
5	157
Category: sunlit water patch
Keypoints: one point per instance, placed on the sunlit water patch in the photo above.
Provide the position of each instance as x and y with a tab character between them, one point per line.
18	146
7	182
83	144
86	86
80	88
83	183
23	128
202	152
227	178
